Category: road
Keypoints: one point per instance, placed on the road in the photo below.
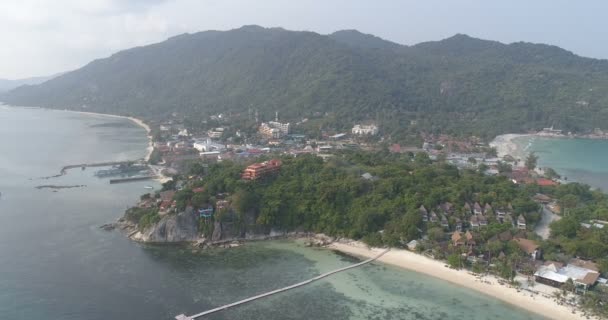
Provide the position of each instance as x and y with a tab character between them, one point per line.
542	228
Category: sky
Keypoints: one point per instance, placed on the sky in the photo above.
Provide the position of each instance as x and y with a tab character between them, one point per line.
44	37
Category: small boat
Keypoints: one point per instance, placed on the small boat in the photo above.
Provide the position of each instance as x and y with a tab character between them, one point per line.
148	187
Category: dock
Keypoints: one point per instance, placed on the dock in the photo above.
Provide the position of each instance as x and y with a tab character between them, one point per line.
131	179
65	169
293	286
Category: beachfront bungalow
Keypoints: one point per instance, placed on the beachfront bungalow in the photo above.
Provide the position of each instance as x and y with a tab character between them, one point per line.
521	222
477	209
412	245
423	213
584	274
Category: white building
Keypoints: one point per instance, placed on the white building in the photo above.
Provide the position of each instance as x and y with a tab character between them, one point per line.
183	133
274	129
207	146
215	133
365	129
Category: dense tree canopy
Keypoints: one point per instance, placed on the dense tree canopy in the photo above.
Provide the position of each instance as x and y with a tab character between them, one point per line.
332	196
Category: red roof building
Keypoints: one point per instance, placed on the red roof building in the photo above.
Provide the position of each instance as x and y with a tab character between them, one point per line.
258	170
545	182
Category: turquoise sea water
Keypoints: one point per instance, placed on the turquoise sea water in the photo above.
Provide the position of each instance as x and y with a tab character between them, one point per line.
580	160
56	264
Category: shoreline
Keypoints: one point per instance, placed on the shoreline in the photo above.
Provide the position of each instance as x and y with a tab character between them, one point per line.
137	121
505	145
149	149
535	303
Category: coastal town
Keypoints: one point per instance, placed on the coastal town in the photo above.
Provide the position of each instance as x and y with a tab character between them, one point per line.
500	242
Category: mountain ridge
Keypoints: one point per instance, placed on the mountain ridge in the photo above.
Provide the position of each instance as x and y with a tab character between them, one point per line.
459	85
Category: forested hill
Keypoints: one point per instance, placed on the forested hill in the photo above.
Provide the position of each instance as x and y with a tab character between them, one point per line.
457	85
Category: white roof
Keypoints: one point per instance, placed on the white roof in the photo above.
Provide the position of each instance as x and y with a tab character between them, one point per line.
563	274
548	272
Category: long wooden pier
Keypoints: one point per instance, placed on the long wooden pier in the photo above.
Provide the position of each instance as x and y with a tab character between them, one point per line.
293	286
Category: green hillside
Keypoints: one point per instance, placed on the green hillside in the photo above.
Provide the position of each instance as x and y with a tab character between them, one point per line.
459	85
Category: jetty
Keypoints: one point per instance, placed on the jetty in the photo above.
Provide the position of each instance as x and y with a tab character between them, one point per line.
270	293
65	169
132	179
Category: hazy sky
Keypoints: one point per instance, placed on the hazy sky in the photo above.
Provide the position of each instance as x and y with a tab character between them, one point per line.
42	37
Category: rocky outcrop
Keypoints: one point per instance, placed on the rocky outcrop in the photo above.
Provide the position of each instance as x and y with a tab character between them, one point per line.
182	227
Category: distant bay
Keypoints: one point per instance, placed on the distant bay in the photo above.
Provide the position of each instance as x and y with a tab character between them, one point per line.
579	160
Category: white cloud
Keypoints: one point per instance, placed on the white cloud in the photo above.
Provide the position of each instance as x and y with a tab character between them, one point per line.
44	37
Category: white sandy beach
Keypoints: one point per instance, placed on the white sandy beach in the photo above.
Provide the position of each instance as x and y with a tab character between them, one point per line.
505	146
536	303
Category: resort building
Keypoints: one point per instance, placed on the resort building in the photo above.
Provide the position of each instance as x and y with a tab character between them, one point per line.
274	129
215	133
528	246
258	170
208	145
365	129
584	274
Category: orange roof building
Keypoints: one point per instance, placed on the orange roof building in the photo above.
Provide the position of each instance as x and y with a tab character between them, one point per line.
258	170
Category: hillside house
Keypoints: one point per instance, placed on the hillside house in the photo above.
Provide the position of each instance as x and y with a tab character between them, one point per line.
521	222
457	224
423	213
477	209
483	221
467	208
474	222
434	217
444	222
487	208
